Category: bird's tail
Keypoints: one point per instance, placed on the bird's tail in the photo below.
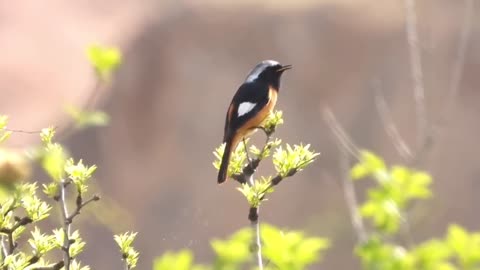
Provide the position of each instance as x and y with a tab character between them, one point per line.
230	145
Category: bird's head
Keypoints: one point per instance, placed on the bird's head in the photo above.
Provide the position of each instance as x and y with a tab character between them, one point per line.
268	71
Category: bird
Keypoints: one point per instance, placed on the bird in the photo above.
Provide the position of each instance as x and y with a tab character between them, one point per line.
250	106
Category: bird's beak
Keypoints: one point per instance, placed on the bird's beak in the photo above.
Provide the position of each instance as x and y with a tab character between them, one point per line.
283	68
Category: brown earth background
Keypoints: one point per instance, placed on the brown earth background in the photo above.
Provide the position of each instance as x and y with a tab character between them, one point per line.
183	60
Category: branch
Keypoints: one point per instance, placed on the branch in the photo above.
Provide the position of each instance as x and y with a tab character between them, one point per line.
347	147
247	177
458	65
68	218
350	196
389	125
66	224
340	134
10	231
80	204
252	165
253	215
417	74
4	247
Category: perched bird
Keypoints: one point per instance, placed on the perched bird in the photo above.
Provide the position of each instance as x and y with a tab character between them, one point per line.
250	106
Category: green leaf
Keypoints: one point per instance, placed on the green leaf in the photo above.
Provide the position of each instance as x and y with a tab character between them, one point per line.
3	121
78	244
465	246
40	242
233	252
256	194
53	161
292	159
47	134
181	260
84	119
359	171
372	161
291	250
433	255
4	135
79	174
376	254
105	60
125	242
76	265
51	189
419	187
238	158
273	120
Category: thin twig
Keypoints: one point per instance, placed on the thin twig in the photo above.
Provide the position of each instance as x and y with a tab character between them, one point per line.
389	125
350	196
458	65
4	247
340	134
23	131
68	218
416	73
253	216
66	224
10	231
80	206
347	147
247	177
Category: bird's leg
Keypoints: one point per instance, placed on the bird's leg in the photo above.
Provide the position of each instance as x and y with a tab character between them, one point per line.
246	151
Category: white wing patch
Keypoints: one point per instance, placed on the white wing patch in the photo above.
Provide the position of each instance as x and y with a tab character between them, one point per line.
245	107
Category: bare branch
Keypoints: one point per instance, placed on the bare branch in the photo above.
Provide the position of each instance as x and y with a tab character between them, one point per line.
417	74
389	125
347	147
458	65
65	224
340	134
79	207
350	196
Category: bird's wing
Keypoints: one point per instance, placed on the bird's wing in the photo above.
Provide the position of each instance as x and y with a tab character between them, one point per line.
249	99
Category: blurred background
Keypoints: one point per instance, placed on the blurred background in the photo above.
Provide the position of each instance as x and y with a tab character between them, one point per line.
182	63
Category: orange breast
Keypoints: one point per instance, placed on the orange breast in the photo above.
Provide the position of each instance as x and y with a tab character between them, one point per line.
261	115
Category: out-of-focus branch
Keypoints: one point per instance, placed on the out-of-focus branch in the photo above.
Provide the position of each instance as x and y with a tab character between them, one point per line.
389	125
340	134
350	196
416	73
458	66
347	147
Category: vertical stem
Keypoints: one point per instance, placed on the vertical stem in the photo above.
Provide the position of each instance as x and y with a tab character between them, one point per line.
255	224
350	196
461	54
66	224
11	243
417	74
4	250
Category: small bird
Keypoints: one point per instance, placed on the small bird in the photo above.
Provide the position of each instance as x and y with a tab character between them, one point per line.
250	106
